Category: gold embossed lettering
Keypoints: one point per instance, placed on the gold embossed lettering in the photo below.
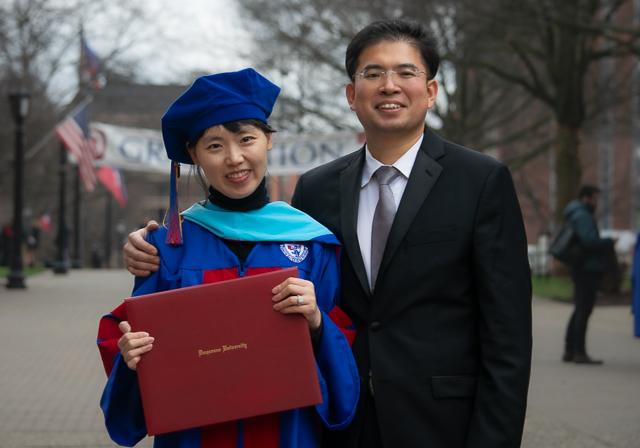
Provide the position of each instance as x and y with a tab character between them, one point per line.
223	349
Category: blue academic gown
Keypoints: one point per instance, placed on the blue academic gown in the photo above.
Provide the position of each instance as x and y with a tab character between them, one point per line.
284	237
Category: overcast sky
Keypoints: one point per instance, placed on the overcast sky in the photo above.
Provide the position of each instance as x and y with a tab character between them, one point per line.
192	35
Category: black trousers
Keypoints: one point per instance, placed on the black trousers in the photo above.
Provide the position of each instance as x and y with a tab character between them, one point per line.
585	286
369	436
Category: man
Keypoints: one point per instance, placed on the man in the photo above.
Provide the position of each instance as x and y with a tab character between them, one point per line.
442	304
587	274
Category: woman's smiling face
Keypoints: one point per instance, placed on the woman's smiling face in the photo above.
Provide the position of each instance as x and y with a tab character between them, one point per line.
234	163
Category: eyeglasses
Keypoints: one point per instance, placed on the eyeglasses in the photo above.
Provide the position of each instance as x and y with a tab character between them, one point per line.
404	74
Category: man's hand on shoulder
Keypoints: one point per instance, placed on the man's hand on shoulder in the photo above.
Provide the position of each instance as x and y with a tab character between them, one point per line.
140	257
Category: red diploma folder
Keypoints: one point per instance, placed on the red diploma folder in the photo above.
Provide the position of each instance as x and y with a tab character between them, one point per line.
222	353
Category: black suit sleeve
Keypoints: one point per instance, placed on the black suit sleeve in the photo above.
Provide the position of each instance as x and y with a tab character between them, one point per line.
503	283
296	199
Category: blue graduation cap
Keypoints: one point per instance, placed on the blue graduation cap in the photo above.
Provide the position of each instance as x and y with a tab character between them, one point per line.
211	100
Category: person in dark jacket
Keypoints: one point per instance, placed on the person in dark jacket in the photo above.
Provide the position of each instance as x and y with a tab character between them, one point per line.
586	274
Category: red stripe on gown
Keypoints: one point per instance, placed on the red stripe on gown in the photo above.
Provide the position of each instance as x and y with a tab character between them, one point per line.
259	432
340	318
108	336
255	271
223	435
343	322
218	275
262	431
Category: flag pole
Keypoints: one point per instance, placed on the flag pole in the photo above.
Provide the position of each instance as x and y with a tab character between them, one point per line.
76	259
108	226
77	195
61	265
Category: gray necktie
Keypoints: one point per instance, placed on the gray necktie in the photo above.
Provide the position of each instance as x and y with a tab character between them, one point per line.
382	218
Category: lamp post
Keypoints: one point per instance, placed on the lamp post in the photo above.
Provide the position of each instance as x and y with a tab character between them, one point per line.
19	102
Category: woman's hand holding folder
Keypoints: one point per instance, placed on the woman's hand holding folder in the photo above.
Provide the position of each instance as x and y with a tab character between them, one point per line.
296	295
133	345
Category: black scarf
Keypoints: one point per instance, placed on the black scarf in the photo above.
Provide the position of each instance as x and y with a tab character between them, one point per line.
258	199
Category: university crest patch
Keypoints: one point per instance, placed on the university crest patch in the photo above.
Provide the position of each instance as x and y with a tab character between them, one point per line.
295	252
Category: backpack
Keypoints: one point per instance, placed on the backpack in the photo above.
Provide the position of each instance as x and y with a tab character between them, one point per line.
565	246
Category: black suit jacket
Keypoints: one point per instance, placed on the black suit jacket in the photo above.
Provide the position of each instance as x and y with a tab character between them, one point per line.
446	336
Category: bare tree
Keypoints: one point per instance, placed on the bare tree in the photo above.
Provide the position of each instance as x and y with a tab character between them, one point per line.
480	111
303	43
39	52
513	72
553	49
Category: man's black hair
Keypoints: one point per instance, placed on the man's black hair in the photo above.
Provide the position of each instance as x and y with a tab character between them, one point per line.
588	191
395	31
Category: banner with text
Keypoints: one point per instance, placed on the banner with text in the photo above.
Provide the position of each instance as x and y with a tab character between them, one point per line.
136	149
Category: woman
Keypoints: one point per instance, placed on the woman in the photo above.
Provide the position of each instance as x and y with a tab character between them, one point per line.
219	124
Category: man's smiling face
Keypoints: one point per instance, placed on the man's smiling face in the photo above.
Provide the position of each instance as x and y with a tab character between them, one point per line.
392	103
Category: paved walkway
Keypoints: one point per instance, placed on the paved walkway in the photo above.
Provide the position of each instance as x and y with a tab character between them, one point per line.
578	406
51	376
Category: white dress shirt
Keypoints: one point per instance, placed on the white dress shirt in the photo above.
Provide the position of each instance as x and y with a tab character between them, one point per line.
369	196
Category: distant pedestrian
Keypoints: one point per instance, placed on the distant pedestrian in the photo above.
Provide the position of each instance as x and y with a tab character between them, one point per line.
32	242
5	245
585	273
96	256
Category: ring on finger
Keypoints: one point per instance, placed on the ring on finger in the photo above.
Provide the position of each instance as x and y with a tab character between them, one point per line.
299	300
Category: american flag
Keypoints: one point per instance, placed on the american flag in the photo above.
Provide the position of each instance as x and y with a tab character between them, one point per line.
74	133
113	181
91	72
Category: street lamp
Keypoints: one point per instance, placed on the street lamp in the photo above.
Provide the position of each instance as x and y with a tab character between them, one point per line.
19	102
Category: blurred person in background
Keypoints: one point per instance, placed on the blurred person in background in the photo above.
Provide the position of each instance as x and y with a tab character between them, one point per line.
586	274
5	245
32	242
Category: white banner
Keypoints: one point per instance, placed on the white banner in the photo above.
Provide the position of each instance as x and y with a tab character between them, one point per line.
131	149
298	153
136	149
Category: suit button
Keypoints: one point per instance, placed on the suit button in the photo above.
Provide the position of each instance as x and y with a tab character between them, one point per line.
375	325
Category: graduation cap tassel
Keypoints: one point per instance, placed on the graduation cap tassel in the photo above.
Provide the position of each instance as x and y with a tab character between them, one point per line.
174	225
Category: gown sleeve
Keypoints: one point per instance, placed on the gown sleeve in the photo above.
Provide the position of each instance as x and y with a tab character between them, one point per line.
121	403
337	371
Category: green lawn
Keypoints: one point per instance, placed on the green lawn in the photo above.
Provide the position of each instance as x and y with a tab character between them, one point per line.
4	271
559	288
